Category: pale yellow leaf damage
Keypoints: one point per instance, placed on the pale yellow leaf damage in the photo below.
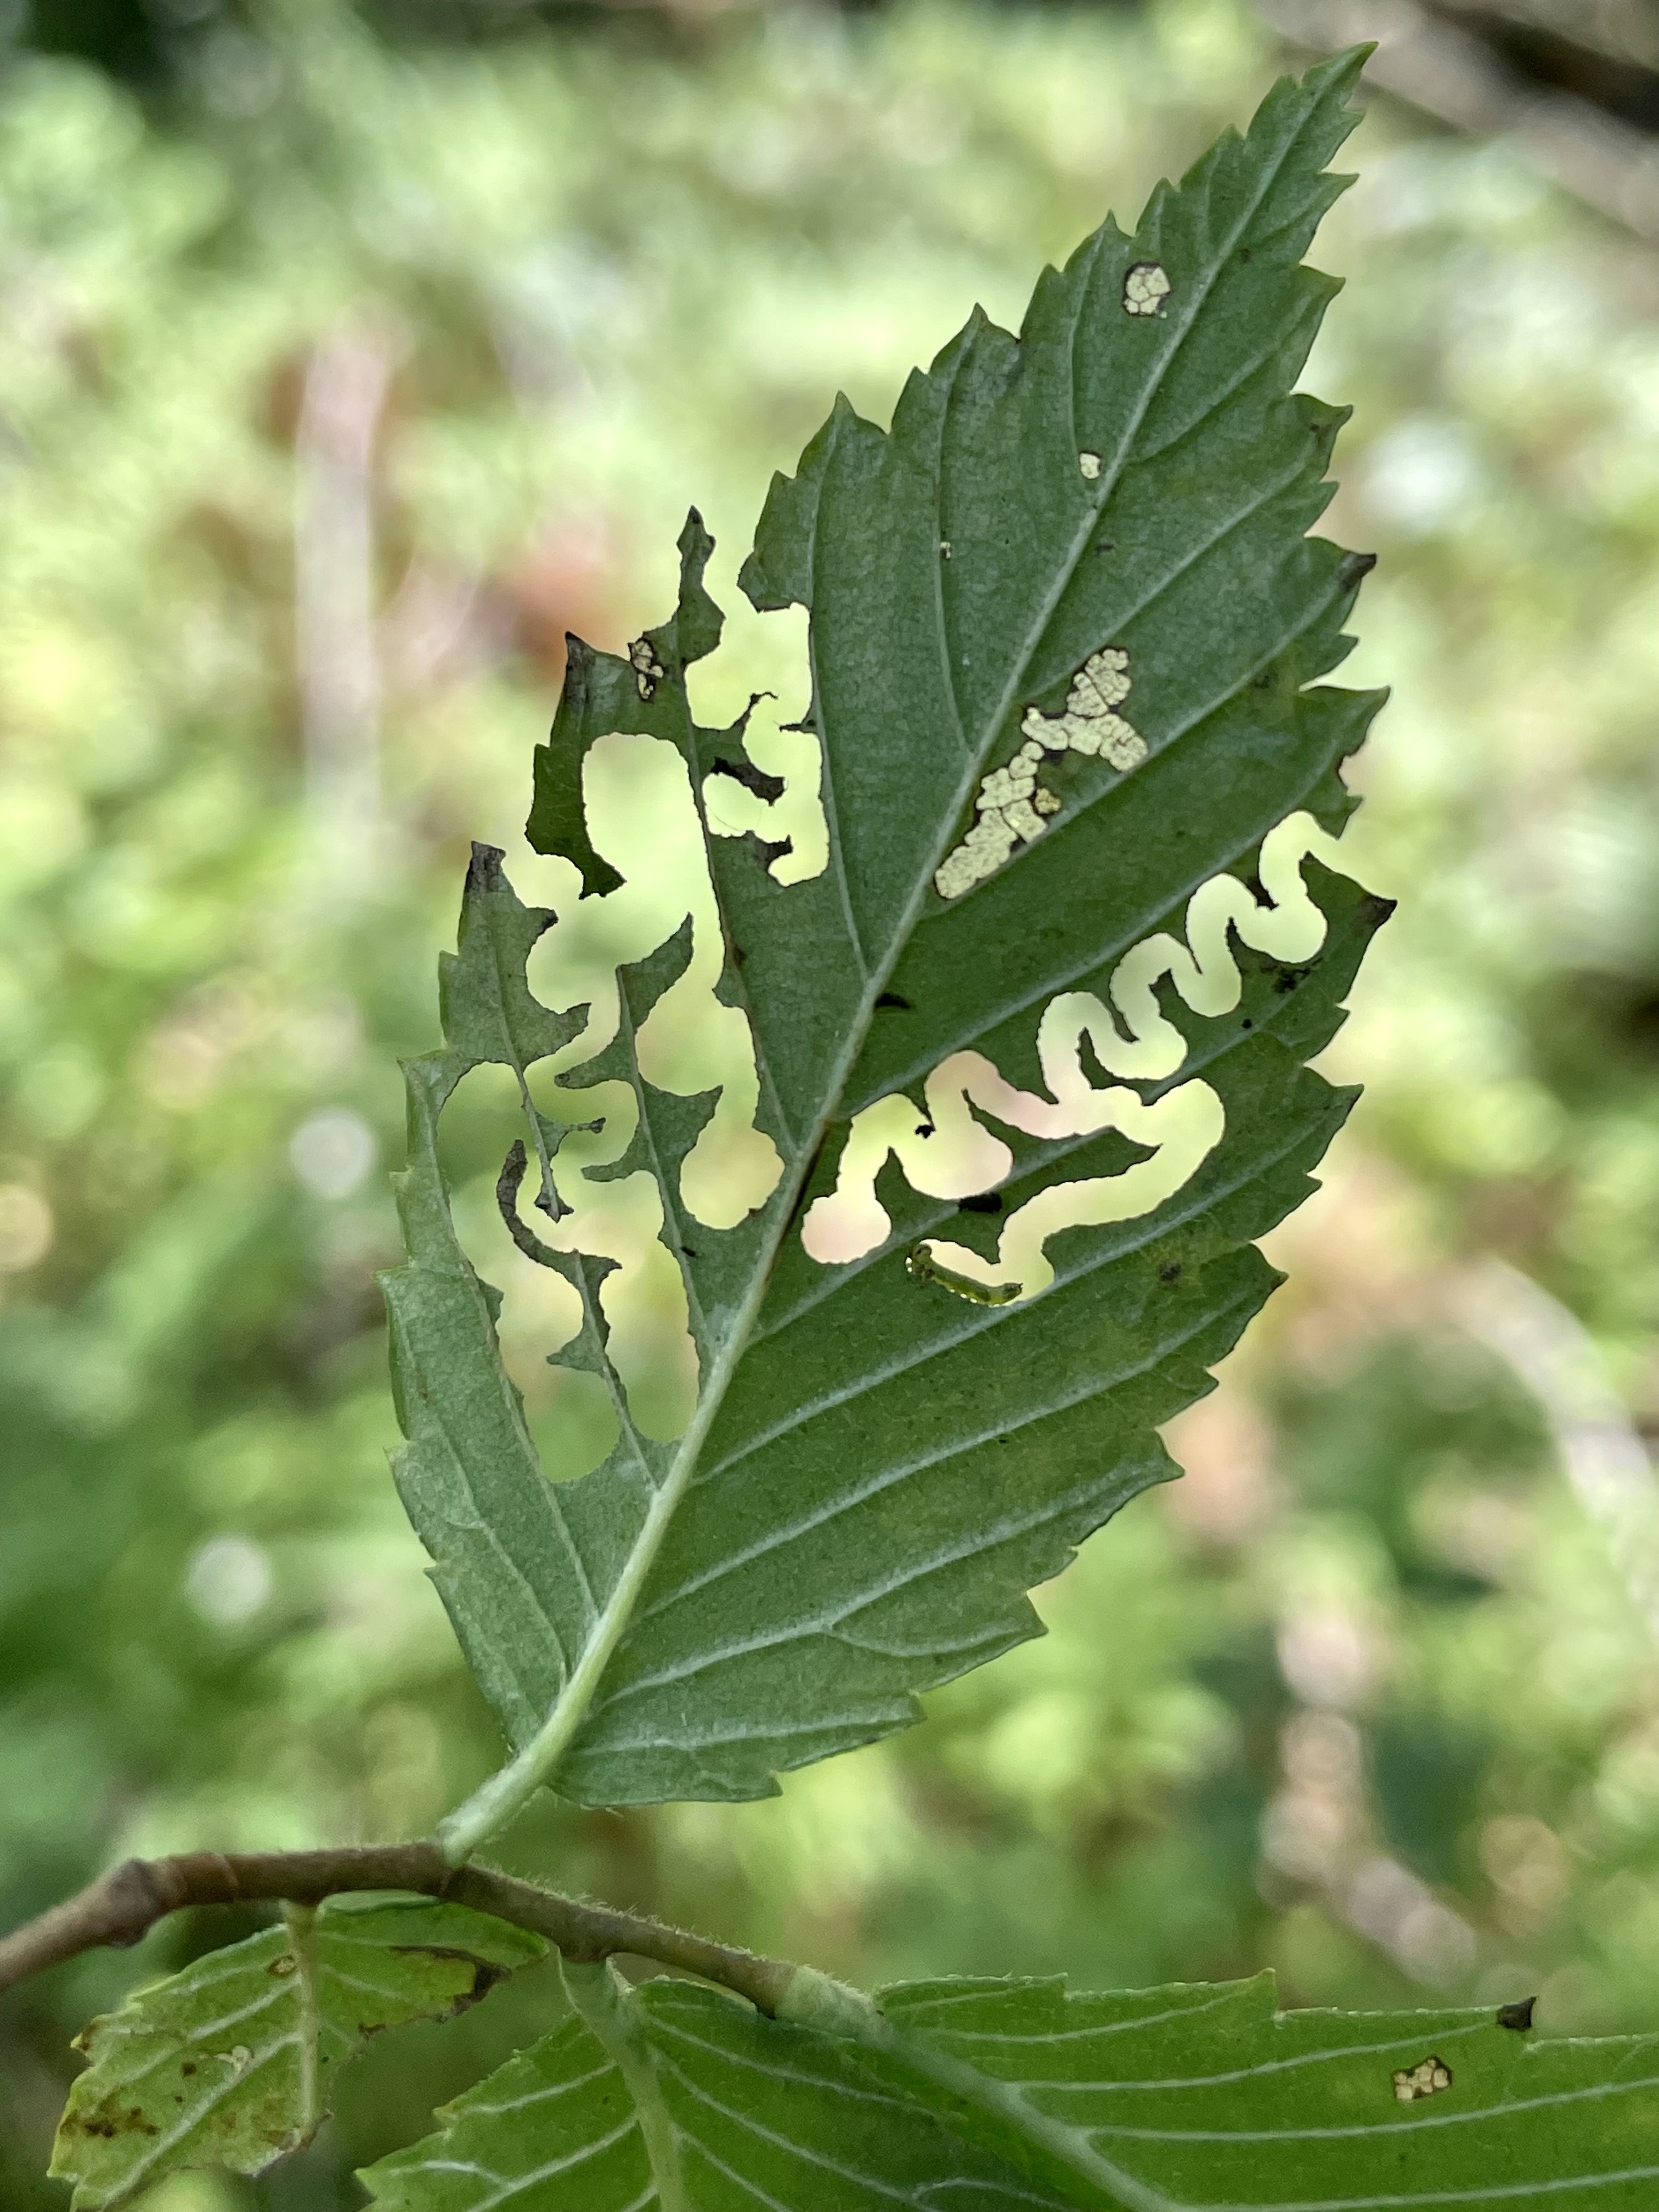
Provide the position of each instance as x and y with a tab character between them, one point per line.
945	1152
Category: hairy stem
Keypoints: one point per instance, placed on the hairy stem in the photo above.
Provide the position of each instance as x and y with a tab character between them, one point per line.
122	1906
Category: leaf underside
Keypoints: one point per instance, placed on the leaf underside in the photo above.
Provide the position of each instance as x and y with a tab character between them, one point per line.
1187	2099
230	2063
878	1469
719	2108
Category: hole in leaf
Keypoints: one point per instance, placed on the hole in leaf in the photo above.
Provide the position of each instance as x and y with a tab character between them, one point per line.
1134	1040
642	817
758	678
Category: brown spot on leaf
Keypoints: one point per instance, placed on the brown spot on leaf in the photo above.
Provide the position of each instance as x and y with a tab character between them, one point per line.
1517	2015
107	2121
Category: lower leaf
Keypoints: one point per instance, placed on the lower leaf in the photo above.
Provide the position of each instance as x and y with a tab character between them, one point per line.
230	2063
1208	2098
680	2098
989	2096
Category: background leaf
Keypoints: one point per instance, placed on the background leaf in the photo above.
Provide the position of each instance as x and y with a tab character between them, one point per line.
231	2063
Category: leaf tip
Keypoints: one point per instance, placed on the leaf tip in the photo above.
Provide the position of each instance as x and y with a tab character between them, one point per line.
1352	569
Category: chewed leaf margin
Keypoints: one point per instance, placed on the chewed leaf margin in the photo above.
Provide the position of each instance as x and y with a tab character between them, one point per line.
231	2062
887	1453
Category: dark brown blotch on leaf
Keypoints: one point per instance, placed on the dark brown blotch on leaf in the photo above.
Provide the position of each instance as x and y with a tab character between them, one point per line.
107	2121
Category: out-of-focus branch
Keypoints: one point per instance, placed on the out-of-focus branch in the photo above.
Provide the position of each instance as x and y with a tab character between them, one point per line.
1605	1460
1442	68
123	1906
334	615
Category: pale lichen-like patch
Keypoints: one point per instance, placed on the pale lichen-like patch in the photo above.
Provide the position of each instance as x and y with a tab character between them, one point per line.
945	1152
1090	722
1426	2079
1146	287
648	671
1012	803
1090	464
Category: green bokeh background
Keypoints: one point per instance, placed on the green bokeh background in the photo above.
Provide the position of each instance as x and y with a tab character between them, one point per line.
1371	1696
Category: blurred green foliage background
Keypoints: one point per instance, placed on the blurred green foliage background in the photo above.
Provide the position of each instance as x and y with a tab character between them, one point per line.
344	368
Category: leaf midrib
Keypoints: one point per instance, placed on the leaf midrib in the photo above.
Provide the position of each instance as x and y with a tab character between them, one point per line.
1164	1348
1209	1316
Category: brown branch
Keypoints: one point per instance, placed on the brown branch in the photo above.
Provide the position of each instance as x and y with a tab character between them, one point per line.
122	1906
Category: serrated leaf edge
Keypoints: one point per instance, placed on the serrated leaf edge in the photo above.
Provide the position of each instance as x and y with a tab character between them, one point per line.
500	1799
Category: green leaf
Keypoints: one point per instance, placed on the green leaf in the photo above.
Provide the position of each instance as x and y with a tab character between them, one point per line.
988	2095
679	2098
231	2062
1065	625
1193	2097
556	2126
510	1569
